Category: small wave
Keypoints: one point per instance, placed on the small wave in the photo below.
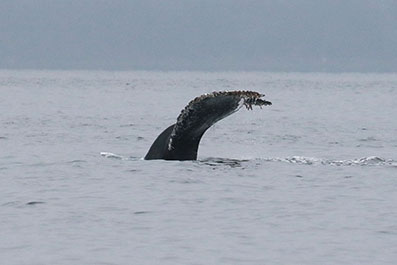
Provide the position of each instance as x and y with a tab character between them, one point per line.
77	161
34	203
364	161
298	160
111	155
215	161
20	204
119	157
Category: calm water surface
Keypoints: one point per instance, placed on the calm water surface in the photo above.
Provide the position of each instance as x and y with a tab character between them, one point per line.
309	180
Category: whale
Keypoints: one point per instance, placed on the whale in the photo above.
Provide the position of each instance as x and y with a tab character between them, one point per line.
180	141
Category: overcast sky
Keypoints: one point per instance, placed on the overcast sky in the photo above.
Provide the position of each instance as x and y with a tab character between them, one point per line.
276	35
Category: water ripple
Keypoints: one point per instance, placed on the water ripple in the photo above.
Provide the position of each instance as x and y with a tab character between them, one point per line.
364	161
299	160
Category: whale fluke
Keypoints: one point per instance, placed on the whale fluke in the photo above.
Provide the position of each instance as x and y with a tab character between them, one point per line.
180	141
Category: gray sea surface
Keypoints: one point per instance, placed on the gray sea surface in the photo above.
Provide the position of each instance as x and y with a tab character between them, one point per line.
311	179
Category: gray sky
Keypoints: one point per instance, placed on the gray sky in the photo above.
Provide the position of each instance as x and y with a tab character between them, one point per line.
276	35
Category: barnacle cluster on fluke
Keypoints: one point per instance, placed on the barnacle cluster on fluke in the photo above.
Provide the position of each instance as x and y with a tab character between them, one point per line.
180	141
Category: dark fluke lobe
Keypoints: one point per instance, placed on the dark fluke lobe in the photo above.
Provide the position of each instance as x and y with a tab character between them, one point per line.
180	141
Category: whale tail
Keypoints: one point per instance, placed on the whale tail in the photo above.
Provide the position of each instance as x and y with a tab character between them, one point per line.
180	141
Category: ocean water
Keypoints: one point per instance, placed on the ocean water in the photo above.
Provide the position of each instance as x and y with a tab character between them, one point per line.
311	179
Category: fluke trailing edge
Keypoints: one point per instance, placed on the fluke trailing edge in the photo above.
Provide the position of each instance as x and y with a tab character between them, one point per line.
180	141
